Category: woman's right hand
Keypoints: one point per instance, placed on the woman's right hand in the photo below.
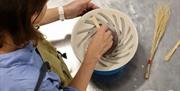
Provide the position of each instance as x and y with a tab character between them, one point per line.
100	43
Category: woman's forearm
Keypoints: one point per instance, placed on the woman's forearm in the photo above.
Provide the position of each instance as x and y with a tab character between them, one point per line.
99	44
71	10
84	74
50	16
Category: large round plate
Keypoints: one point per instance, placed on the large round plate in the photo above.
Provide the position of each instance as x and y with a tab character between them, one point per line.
119	22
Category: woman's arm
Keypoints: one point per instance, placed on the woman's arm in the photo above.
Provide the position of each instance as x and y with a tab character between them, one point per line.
51	15
83	76
71	10
101	42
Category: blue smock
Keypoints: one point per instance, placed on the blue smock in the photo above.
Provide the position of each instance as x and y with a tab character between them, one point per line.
20	69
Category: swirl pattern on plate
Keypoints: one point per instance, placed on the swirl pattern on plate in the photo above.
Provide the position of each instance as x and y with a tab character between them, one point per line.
119	23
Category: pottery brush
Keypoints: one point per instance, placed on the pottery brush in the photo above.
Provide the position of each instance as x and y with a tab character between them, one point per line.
162	16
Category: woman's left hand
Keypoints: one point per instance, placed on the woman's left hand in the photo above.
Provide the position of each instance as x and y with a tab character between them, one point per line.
77	8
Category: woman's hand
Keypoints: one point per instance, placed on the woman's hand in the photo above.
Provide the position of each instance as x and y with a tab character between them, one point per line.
77	8
100	43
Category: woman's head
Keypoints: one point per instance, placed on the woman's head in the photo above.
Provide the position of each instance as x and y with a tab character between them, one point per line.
17	18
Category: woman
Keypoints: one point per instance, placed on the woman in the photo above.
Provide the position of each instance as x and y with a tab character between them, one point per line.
23	50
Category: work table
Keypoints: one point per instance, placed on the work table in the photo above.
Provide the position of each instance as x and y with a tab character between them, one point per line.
165	76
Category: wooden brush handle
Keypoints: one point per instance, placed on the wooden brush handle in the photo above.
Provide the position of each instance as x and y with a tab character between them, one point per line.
148	69
95	22
169	55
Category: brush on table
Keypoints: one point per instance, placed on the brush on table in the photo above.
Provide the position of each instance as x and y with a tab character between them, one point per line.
162	17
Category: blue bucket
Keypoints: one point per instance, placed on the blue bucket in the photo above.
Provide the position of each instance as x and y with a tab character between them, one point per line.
106	75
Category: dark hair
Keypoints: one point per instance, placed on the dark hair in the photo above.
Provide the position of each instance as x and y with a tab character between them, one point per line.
15	19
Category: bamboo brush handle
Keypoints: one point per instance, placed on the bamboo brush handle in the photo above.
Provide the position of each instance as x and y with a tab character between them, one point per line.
169	55
148	69
95	22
